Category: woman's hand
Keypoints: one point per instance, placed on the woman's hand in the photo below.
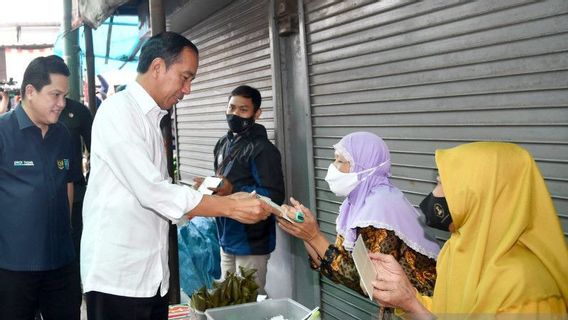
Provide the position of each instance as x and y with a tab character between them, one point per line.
393	289
306	230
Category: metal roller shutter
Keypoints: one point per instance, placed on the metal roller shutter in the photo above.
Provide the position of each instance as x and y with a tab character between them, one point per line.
234	49
434	74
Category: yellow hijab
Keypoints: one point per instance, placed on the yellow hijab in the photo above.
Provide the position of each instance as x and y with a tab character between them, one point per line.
508	249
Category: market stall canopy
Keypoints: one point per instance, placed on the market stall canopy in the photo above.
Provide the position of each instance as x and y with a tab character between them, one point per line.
94	12
116	45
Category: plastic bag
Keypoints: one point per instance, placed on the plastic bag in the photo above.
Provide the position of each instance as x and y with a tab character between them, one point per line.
199	257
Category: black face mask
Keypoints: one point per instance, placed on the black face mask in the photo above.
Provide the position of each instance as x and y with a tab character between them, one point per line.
238	124
437	212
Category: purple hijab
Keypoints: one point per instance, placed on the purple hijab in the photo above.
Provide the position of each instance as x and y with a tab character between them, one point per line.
375	201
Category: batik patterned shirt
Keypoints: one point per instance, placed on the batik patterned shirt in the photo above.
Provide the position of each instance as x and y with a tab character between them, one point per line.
337	263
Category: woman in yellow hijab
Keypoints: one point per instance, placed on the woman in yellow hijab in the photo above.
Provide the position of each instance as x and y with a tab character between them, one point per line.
506	252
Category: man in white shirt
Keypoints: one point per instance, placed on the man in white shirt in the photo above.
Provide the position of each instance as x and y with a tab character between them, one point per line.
130	200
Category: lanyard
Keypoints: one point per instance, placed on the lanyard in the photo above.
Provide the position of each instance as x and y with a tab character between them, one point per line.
228	158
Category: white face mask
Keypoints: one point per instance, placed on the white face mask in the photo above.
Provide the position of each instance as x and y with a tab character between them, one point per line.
341	183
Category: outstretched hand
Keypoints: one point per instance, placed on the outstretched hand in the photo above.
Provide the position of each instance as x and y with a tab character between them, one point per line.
242	195
306	230
392	287
248	209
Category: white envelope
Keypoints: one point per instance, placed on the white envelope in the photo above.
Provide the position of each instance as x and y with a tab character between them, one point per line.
364	266
209	182
277	208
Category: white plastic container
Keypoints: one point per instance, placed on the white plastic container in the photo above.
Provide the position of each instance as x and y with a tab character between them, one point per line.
264	310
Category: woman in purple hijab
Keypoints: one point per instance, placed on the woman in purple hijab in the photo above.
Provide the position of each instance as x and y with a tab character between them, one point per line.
373	209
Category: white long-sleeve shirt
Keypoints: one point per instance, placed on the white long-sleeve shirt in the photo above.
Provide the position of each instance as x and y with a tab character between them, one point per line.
129	199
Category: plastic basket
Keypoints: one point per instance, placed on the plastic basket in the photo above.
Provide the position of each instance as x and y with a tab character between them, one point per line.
264	310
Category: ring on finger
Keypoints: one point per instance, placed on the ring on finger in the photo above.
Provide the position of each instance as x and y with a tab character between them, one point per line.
299	216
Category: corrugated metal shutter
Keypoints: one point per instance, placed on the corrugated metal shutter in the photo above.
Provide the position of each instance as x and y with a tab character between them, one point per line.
234	49
434	74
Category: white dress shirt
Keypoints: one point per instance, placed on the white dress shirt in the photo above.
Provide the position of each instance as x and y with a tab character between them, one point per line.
129	199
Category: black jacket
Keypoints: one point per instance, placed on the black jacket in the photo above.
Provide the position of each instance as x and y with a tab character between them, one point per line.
250	162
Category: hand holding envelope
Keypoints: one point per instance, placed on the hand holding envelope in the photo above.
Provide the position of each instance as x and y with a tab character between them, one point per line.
392	288
304	224
213	185
277	210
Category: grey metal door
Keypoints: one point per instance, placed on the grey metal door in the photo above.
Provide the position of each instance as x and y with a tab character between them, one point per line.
234	49
434	74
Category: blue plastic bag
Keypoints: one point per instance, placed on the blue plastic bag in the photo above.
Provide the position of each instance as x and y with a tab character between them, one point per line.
199	257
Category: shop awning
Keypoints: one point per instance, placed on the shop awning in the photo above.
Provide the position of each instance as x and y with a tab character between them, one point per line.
116	45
